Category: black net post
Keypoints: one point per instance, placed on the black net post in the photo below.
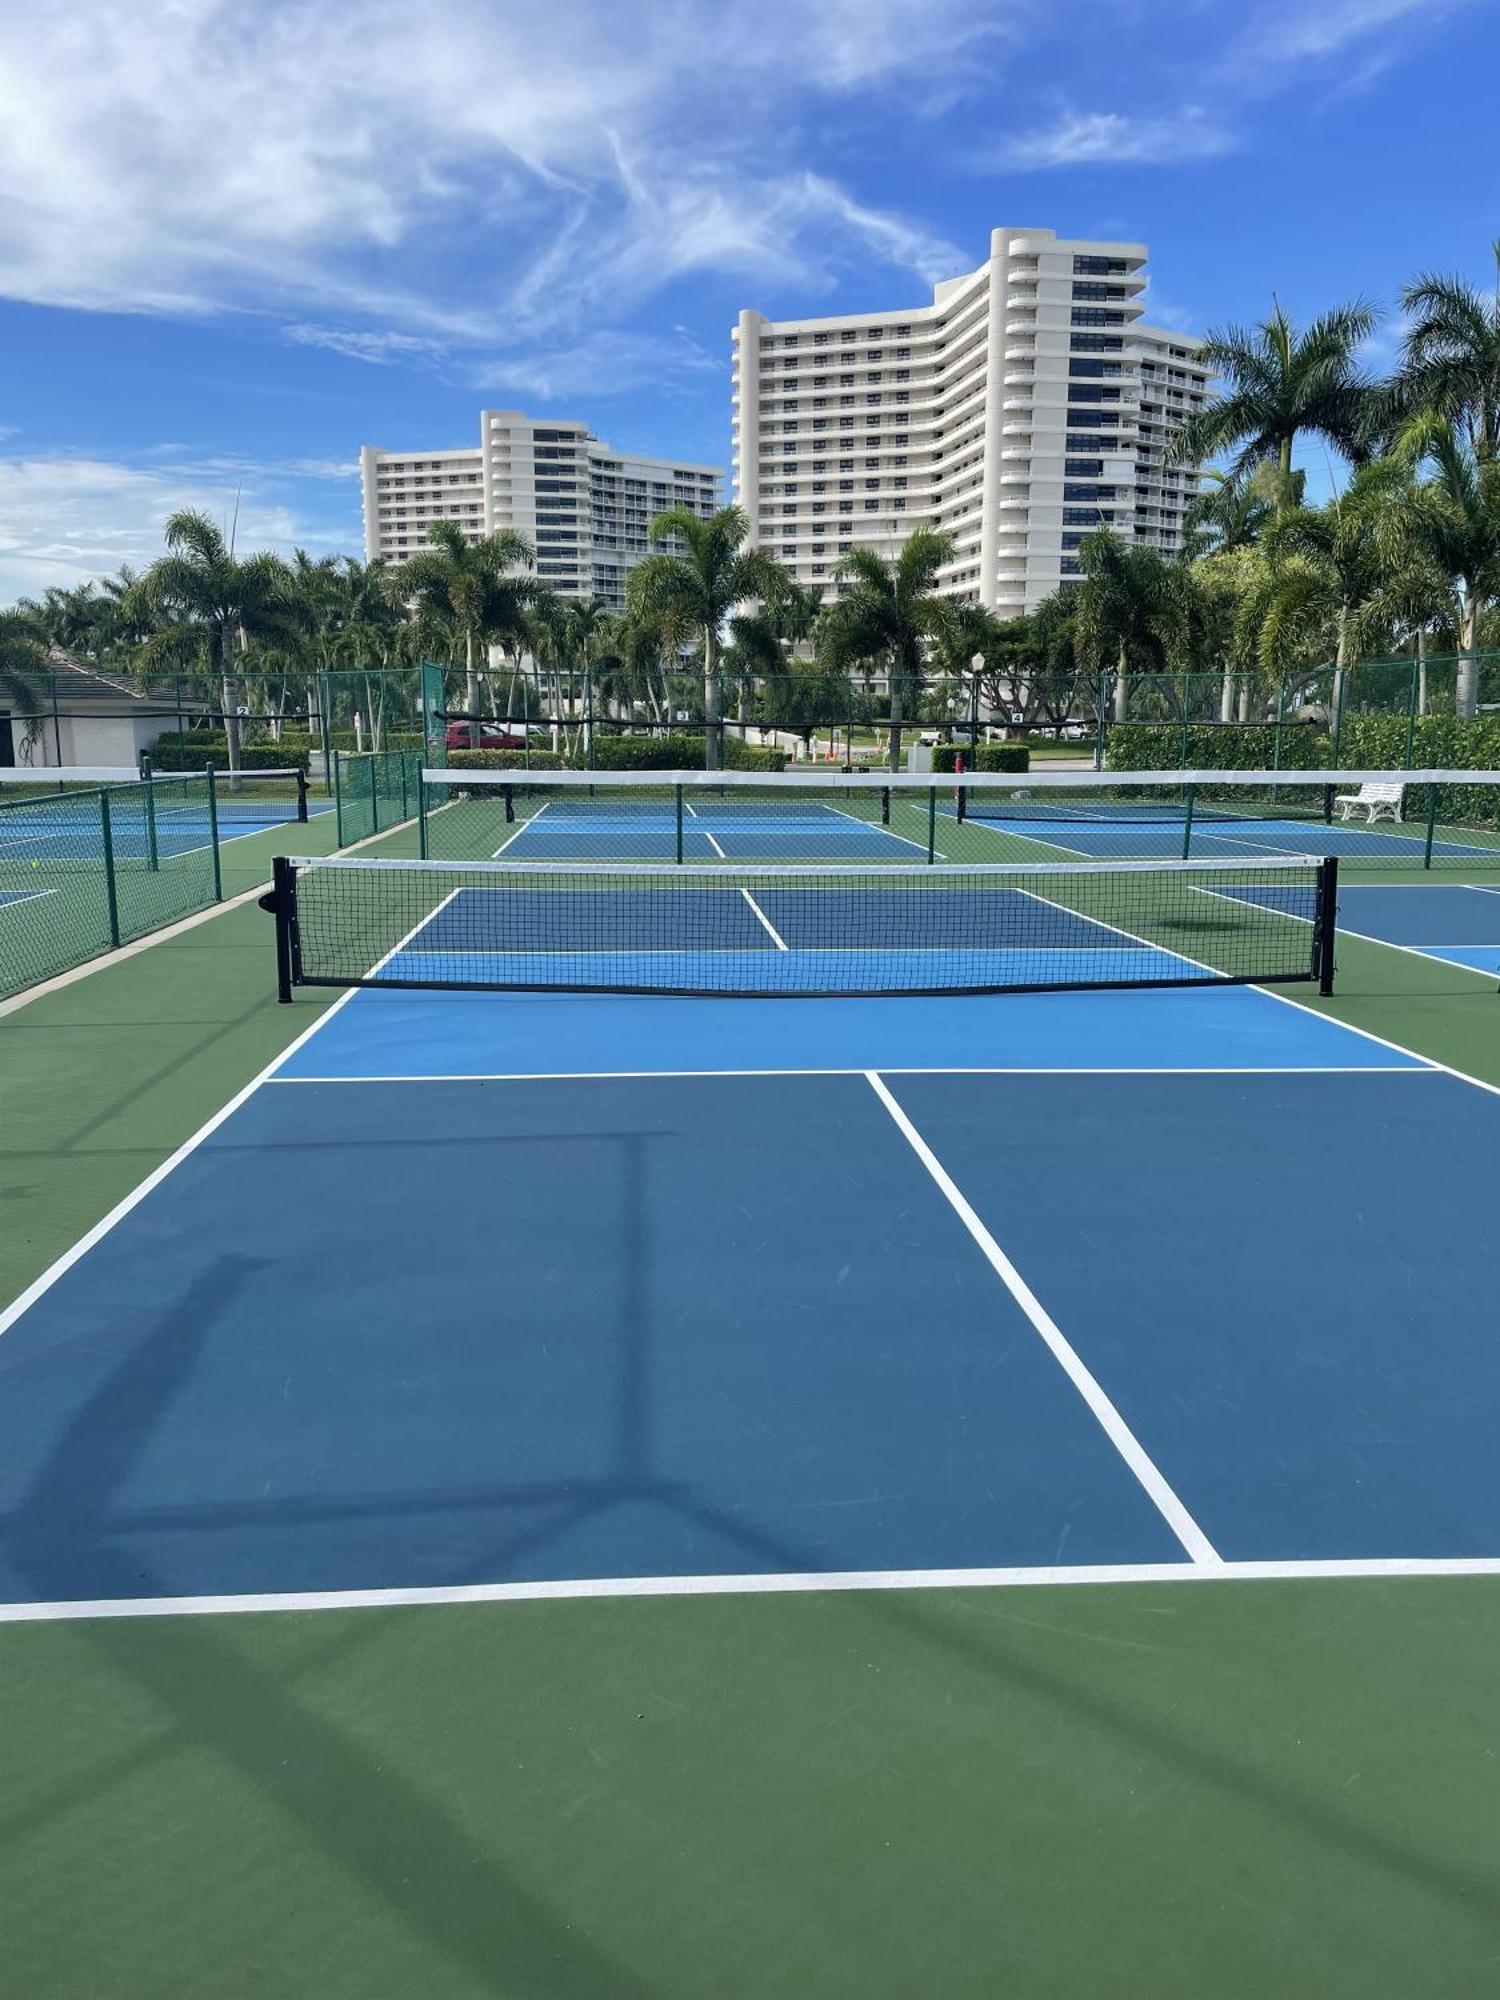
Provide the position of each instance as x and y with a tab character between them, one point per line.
1187	822
111	890
213	834
153	855
1432	799
1325	929
301	778
284	907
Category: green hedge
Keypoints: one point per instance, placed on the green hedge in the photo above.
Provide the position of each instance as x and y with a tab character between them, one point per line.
986	757
1209	746
505	760
1366	743
752	757
677	752
202	752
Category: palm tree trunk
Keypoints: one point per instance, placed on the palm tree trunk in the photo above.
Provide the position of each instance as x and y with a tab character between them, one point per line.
1340	672
712	746
1122	695
471	687
1226	696
896	718
230	696
1466	692
1242	707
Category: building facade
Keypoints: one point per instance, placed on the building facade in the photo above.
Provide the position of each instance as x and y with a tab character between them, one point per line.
585	508
1025	407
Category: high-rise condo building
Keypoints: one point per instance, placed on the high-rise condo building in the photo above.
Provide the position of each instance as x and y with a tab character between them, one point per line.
1025	407
585	507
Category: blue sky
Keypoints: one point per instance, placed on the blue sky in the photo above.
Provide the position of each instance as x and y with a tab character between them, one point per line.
237	242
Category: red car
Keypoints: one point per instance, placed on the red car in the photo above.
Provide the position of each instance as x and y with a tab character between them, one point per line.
491	737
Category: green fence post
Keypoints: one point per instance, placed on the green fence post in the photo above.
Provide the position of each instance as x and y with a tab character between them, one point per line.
421	815
1411	718
153	861
338	799
677	816
1432	792
405	767
374	796
1187	823
213	835
931	823
1100	700
111	895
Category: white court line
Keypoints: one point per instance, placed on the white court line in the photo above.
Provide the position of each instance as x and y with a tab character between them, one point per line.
782	1584
775	935
714	845
529	822
1430	953
874	826
63	1264
13	899
887	1069
1114	1426
998	826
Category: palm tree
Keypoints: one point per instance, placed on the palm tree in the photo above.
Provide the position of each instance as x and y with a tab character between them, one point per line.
1450	522
208	594
23	667
1130	603
1221	583
694	590
1283	383
1451	358
471	589
1321	588
889	615
1229	513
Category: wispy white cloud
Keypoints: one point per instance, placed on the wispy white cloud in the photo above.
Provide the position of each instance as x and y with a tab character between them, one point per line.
398	172
378	345
1290	32
1117	138
65	517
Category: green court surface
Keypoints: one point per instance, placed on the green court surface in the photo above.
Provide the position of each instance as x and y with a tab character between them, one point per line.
1206	1789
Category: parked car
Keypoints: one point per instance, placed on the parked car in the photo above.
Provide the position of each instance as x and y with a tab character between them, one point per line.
491	737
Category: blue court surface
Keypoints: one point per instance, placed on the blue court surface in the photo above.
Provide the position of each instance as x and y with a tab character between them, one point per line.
506	1291
43	837
1103	834
558	831
815	936
1452	922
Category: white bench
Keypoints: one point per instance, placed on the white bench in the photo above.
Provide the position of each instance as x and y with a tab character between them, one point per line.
1376	801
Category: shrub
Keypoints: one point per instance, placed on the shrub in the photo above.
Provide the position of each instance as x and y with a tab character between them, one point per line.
677	752
202	751
752	757
505	760
1216	746
987	757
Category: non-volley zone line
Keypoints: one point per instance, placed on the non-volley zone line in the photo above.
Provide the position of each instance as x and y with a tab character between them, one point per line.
1352	1569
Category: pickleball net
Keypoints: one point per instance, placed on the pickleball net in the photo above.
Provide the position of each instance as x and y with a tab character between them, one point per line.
748	931
1371	820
